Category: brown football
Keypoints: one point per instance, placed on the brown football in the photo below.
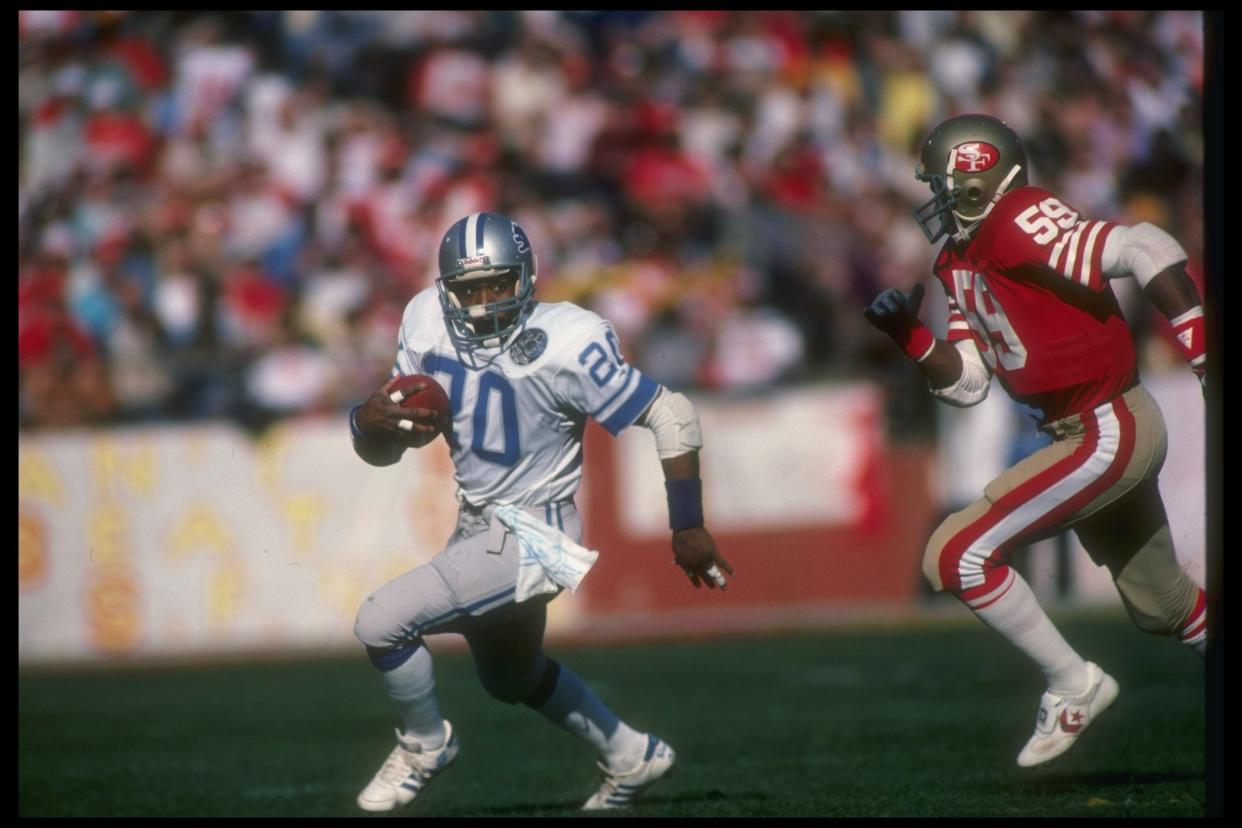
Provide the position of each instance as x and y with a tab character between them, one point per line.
431	396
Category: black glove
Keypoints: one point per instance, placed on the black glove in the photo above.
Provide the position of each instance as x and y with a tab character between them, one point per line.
895	312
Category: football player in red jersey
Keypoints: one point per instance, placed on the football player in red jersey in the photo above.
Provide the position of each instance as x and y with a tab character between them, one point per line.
1028	284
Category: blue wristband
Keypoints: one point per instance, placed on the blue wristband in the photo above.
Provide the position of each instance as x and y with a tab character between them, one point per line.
363	438
685	503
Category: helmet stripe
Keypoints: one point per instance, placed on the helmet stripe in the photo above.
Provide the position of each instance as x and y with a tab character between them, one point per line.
471	231
478	232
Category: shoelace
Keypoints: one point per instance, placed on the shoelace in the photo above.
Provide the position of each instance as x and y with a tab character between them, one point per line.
609	791
396	767
612	783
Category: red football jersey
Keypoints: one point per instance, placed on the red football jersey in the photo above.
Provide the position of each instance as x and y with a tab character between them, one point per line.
1028	289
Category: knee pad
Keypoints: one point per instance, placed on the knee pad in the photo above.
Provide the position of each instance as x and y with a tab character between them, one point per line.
937	548
372	626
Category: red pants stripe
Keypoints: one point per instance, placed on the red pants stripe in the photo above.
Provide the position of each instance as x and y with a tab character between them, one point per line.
972	561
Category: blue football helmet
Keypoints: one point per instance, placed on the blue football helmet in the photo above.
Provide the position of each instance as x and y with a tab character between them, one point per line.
486	246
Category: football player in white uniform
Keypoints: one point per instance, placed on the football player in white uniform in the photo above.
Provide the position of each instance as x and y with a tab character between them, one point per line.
522	377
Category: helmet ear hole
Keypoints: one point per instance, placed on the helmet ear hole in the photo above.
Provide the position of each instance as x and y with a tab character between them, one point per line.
974	192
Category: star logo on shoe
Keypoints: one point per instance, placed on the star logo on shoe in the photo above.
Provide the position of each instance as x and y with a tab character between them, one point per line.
1073	727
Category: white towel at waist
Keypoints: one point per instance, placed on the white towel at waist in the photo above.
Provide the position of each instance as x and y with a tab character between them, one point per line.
549	559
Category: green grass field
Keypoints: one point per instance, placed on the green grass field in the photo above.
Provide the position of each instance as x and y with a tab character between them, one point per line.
919	721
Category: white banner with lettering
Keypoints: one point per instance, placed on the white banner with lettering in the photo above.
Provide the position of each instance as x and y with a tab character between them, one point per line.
182	541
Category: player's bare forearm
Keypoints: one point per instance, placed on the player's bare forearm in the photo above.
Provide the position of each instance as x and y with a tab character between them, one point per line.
681	467
942	367
1172	291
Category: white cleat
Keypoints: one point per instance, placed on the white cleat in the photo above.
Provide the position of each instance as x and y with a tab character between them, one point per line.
406	772
619	790
1062	719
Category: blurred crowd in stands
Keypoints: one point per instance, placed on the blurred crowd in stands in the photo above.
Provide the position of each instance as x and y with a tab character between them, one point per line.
222	215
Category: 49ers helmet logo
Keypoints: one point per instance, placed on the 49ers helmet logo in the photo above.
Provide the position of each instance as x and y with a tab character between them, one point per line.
976	156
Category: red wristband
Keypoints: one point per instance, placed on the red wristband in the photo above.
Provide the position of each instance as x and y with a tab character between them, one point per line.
1188	336
917	343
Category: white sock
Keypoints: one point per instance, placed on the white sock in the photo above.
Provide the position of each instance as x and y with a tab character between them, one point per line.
412	685
1018	617
574	707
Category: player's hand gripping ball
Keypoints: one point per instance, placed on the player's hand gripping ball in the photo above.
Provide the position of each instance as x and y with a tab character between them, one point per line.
427	399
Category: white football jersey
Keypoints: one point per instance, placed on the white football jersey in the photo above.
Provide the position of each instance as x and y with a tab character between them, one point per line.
518	418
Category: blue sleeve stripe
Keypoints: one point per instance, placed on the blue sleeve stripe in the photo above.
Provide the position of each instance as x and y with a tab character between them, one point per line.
635	405
629	376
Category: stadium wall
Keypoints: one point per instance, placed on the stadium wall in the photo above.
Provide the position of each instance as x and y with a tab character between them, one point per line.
170	542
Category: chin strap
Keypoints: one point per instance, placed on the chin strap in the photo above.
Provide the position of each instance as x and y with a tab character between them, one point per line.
965	231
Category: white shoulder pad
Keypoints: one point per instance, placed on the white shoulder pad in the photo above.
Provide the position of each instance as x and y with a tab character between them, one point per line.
972	386
1143	250
675	424
571	321
422	322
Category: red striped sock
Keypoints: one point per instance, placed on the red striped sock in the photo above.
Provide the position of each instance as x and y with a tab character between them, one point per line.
1193	630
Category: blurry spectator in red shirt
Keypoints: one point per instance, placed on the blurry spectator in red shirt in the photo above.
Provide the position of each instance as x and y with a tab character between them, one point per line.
663	183
117	138
61	378
795	181
252	307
